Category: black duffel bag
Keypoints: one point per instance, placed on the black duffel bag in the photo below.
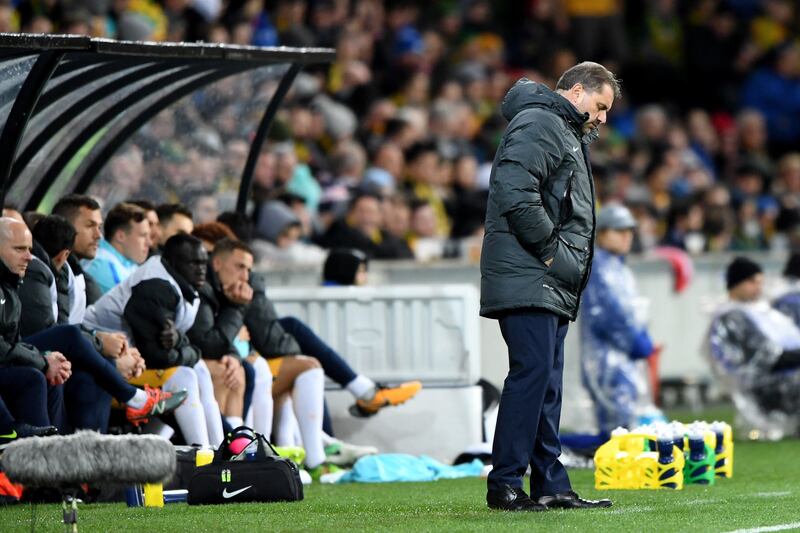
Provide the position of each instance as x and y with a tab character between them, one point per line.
259	475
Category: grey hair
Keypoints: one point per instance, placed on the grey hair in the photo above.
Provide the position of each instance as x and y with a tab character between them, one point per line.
592	76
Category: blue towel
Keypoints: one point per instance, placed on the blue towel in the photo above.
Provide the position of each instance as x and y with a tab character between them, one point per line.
389	467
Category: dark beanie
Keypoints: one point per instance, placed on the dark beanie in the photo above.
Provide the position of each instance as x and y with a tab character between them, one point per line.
741	269
342	265
792	269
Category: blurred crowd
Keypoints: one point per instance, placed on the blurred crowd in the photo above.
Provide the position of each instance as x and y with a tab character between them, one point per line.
388	149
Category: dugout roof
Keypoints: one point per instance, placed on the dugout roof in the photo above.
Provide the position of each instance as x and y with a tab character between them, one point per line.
68	103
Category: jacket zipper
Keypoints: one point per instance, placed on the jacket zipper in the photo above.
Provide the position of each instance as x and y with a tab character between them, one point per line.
565	241
591	239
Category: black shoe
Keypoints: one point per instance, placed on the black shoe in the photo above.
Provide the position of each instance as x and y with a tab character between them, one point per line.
512	499
570	500
21	430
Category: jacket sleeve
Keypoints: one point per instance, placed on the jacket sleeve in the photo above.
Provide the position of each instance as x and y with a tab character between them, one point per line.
36	300
266	333
531	151
214	336
151	303
62	288
21	354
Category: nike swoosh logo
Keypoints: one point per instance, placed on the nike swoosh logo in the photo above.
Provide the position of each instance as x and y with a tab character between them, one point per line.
13	434
576	148
226	494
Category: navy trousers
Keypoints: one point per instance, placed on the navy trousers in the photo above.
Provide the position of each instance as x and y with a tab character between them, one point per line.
334	366
530	405
83	356
88	406
23	397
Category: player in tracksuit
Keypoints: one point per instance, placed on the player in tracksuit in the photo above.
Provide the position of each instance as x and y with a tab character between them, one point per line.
613	334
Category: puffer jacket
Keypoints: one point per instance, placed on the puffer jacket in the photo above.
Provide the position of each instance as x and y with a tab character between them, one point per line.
13	352
541	206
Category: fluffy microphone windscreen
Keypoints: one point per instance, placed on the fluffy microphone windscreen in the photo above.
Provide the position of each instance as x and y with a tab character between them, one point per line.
88	457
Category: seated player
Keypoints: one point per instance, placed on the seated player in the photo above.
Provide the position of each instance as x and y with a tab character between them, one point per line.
754	345
155	307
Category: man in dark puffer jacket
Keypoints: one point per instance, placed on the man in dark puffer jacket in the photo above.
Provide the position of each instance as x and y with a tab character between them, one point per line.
536	258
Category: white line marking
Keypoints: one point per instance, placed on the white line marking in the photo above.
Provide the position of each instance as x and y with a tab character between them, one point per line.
772	494
698	502
626	510
779	527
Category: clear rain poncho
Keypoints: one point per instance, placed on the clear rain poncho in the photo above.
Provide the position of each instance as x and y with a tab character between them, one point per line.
745	343
613	340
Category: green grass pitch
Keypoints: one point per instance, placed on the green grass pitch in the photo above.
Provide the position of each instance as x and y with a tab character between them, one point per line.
765	491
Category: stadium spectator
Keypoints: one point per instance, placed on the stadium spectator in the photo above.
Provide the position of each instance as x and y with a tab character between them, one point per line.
361	228
775	91
345	266
125	246
406	76
279	235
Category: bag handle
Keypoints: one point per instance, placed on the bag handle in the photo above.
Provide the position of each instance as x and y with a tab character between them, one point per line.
223	453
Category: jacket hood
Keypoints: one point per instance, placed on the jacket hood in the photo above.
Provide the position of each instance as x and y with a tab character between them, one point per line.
274	217
75	265
187	290
41	253
526	94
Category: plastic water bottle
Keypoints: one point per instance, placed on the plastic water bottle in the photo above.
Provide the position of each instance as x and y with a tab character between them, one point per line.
678	433
134	496
153	495
203	457
619	431
697	446
699	467
251	450
667	460
719	447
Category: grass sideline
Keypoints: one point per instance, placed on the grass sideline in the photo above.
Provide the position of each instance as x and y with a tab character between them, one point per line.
763	492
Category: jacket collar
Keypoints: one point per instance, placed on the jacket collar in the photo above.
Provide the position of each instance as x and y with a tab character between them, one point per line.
108	247
187	291
526	94
39	251
211	291
75	264
7	277
570	113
